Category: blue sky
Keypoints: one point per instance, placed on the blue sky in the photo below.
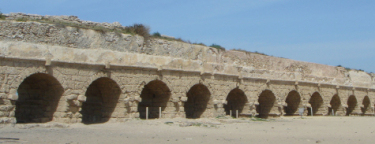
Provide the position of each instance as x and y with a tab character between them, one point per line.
332	32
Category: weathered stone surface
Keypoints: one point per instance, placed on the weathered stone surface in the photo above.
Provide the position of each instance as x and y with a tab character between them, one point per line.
124	67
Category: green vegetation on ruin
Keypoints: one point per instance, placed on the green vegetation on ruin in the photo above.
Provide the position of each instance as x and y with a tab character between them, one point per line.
245	51
2	17
348	69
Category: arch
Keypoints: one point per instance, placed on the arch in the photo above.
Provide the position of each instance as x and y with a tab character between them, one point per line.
236	100
366	104
25	73
352	104
38	97
335	104
293	101
102	98
198	98
316	102
96	76
155	94
266	102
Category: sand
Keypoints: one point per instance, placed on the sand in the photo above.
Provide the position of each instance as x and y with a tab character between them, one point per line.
190	131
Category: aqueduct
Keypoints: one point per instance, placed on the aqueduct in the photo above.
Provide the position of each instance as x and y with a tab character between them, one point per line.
71	75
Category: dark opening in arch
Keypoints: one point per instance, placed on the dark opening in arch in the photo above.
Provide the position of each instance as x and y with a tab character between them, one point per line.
316	101
352	104
198	98
102	98
335	104
236	100
293	101
366	104
154	95
266	102
38	97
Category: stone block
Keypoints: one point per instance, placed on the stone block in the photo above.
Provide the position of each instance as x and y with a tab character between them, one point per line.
184	99
13	97
136	115
12	114
138	98
65	120
57	114
81	98
133	109
71	97
217	102
62	108
77	103
126	100
175	100
182	109
3	96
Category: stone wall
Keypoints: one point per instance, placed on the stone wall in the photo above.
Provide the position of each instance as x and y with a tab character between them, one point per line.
75	75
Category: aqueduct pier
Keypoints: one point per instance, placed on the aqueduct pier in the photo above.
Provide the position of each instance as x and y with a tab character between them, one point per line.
72	75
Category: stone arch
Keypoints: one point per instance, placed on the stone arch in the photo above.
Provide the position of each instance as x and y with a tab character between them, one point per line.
96	76
352	104
38	98
30	71
236	100
154	94
335	104
266	101
293	101
102	96
198	99
316	102
366	105
190	84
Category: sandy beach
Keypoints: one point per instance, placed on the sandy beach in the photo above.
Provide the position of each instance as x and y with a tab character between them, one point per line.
187	131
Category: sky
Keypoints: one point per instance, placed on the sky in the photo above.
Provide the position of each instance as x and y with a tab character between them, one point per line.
332	32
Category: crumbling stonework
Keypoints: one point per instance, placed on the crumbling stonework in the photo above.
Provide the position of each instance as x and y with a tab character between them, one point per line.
70	75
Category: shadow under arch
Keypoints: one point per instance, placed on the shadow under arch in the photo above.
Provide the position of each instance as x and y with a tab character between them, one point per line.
198	98
352	104
155	94
335	104
38	98
266	102
316	101
293	101
236	100
366	104
102	98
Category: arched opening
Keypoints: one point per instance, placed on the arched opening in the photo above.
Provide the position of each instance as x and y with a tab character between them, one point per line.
335	104
316	101
293	101
154	95
266	102
198	98
102	98
366	104
38	97
352	104
236	100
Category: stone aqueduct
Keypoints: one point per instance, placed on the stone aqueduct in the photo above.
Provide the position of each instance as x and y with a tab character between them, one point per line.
70	75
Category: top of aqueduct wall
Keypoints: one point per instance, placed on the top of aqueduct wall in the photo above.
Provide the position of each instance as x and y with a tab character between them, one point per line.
40	41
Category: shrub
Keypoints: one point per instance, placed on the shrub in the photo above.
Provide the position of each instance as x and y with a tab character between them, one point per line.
217	46
156	34
139	29
22	19
2	16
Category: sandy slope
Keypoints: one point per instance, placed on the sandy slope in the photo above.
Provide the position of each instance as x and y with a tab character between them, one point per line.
224	130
